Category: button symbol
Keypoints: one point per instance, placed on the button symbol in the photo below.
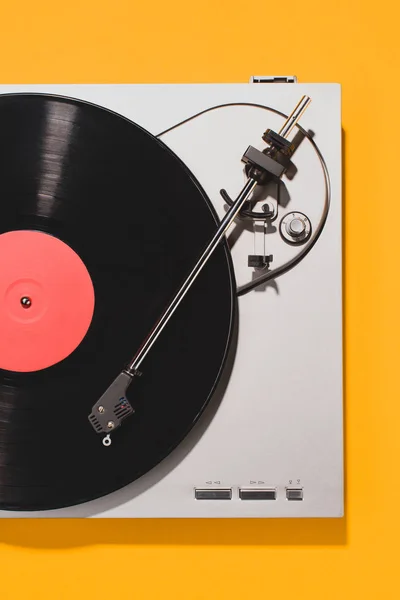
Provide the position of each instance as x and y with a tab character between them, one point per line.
217	482
253	481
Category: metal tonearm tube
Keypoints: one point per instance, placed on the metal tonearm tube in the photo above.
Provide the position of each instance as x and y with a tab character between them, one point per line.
113	407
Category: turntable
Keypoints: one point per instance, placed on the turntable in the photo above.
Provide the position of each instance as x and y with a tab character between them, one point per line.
170	300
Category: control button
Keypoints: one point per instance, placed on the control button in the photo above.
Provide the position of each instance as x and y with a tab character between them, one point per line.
294	493
257	494
296	227
213	494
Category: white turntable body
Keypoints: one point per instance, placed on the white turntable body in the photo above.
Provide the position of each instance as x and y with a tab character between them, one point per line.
270	444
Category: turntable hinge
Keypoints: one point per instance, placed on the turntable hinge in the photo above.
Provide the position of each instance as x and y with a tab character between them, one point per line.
273	79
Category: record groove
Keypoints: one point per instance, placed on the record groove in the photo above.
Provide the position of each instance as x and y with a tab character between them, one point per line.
138	219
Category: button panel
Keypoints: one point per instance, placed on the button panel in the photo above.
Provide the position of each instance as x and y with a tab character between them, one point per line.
294	493
249	493
213	494
257	493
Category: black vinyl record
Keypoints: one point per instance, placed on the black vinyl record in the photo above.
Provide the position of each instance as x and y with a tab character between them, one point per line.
138	219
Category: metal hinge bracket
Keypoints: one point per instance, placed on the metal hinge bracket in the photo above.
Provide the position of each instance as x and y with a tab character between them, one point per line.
273	79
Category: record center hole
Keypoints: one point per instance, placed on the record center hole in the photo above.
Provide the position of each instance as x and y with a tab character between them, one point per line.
26	302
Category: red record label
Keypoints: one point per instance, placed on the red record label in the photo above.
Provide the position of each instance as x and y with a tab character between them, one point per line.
46	300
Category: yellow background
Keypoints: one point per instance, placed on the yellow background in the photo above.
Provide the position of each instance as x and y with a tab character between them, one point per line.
352	42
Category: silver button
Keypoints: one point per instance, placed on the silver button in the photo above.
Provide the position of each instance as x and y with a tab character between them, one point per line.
294	493
213	494
296	227
257	494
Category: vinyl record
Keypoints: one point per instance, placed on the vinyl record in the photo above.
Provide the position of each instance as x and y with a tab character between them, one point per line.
99	224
